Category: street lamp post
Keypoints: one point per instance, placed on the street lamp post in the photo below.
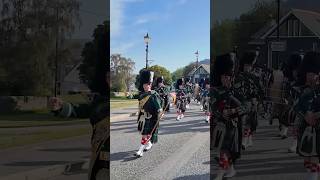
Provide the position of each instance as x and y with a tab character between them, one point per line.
147	40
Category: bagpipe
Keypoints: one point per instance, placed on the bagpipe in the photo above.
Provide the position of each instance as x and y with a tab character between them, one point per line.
227	114
309	136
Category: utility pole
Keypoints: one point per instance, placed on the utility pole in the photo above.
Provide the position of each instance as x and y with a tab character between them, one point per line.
197	55
278	31
57	46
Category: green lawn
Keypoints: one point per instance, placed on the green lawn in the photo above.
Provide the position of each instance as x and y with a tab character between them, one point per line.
77	98
118	103
13	139
35	118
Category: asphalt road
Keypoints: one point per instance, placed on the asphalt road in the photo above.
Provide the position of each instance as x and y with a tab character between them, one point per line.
181	153
268	158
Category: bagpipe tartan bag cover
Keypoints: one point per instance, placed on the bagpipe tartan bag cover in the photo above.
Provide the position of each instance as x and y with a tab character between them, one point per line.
308	144
218	137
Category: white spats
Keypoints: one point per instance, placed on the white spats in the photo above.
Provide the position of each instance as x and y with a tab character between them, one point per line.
230	172
284	133
250	141
245	142
178	117
207	119
293	147
182	115
139	153
148	146
220	175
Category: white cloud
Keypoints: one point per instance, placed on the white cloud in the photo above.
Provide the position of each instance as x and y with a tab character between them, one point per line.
122	48
145	18
141	20
116	17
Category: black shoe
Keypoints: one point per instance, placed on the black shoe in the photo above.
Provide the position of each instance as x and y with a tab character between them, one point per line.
284	137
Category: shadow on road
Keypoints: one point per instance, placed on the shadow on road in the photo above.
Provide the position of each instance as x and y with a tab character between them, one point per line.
36	163
67	150
193	177
168	128
124	156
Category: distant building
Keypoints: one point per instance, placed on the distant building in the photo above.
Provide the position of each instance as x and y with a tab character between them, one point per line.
203	71
69	73
299	32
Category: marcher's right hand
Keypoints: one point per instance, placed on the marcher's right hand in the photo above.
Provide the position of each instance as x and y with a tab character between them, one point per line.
55	103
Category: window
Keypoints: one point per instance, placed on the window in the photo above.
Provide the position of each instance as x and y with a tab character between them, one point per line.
296	27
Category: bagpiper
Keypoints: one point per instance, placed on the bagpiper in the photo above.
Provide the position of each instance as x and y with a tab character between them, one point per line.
201	88
205	100
308	111
97	111
196	93
247	86
163	91
188	88
291	92
226	110
181	99
150	112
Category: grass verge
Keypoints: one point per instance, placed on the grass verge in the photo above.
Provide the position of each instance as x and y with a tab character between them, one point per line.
117	103
10	140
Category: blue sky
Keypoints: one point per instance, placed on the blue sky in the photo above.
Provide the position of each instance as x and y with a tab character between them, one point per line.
178	28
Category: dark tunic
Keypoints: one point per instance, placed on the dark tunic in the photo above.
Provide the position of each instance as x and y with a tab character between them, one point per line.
291	94
151	112
204	96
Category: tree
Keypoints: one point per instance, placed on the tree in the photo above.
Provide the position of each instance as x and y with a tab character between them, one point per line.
121	70
28	32
177	74
223	41
158	72
94	67
161	71
187	69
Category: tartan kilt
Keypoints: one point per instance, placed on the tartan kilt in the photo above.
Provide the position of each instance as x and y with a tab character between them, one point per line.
288	116
148	126
232	141
251	121
181	105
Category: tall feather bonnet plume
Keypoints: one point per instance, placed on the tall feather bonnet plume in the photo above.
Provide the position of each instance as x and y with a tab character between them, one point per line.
223	65
146	76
